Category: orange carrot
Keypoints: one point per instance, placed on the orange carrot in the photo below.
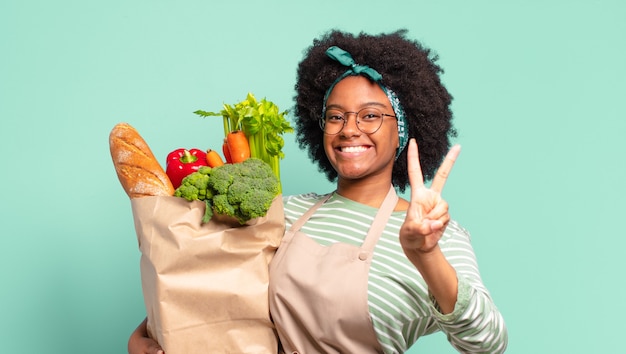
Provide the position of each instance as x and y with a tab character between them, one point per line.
226	152
213	158
238	146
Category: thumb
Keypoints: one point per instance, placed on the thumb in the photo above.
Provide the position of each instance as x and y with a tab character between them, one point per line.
435	225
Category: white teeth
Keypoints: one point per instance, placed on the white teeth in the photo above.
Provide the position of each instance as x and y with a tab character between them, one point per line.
352	149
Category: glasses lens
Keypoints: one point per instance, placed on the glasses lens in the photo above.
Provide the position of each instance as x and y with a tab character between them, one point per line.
369	120
332	122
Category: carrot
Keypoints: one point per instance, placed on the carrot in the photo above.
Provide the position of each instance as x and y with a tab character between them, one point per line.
238	146
213	158
226	152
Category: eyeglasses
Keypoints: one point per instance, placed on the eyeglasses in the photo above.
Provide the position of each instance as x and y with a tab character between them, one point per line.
368	120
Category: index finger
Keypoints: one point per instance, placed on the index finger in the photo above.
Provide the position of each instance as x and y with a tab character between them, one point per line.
444	170
416	179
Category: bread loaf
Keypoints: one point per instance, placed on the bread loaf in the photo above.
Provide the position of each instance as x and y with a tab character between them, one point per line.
138	170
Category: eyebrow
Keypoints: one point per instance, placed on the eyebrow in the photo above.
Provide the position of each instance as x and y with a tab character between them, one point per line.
367	104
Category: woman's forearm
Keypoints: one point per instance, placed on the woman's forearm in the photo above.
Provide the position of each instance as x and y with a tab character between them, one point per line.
439	275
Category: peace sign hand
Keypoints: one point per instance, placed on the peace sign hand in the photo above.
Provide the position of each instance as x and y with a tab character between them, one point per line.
427	215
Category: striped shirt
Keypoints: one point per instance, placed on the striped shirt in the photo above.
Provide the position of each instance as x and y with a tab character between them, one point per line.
400	306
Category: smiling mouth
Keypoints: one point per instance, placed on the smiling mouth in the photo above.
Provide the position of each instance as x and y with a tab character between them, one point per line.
353	149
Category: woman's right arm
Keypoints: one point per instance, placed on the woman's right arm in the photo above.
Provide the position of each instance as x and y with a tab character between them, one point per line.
140	343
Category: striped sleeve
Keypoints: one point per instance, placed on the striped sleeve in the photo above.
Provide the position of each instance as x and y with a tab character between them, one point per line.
475	325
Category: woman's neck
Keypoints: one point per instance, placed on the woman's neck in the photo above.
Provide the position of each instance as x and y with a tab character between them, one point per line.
368	192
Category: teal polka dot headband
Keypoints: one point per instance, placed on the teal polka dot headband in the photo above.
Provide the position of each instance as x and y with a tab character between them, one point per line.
344	58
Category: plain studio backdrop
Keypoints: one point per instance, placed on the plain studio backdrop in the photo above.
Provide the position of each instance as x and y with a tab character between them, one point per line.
538	92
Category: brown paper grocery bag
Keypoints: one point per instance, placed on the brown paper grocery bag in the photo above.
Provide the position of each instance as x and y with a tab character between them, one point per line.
205	286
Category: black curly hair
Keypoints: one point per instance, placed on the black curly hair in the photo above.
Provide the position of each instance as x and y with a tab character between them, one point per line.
407	67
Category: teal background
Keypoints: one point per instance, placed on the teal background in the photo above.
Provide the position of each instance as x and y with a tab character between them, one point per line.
539	92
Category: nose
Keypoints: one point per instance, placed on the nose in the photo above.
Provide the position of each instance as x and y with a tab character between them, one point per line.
350	126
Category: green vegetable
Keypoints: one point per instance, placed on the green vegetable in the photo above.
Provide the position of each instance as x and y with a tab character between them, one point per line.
262	123
242	190
194	186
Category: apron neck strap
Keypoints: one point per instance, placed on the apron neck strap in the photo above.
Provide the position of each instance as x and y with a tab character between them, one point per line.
380	221
296	226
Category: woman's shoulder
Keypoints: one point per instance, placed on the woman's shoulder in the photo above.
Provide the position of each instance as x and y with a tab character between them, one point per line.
296	205
299	203
310	197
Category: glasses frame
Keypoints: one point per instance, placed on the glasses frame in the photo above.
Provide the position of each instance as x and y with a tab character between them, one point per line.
344	118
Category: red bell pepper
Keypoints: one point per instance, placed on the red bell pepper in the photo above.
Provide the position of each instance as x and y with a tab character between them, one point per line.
183	162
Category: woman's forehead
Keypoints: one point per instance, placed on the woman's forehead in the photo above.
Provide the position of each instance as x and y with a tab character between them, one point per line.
357	91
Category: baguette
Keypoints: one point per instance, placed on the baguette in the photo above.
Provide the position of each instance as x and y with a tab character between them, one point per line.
138	170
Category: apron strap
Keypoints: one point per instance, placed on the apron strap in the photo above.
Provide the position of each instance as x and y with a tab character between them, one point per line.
380	221
296	226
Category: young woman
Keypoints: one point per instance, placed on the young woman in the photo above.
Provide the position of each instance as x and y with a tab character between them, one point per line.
359	269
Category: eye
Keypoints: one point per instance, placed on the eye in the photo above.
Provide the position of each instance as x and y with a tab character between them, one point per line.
334	117
370	115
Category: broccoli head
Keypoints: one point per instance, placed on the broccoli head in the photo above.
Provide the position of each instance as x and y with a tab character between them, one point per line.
242	190
222	206
195	186
255	205
222	178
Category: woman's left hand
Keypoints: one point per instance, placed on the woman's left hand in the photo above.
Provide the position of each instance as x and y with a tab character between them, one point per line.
427	215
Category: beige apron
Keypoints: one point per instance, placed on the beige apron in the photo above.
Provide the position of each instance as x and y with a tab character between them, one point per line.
318	294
